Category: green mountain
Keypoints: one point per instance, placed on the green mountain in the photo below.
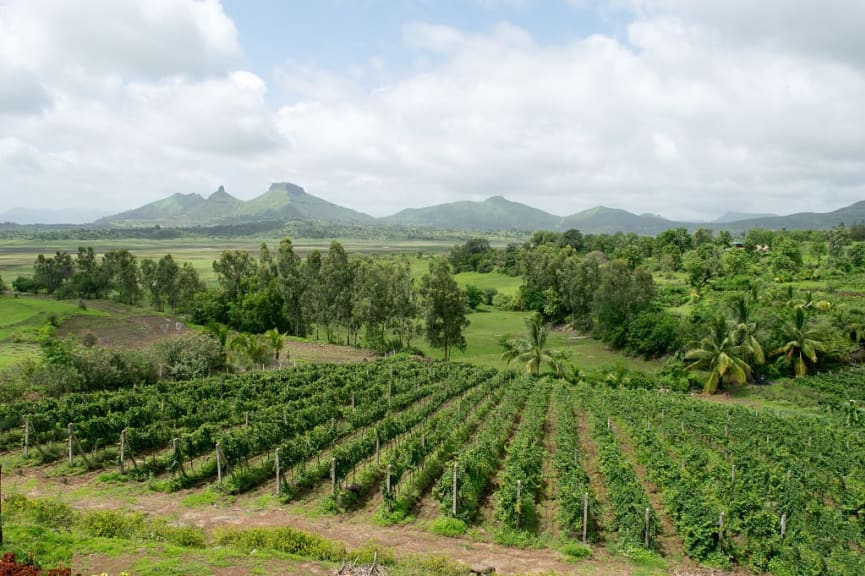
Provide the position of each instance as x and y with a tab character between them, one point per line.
286	201
601	220
283	201
171	210
219	205
495	213
853	214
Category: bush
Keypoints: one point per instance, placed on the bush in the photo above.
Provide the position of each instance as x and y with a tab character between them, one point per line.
449	527
652	334
189	356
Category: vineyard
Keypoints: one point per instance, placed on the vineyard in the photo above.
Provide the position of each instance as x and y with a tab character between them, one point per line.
779	491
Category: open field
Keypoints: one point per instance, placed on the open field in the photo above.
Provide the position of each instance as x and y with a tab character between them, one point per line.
22	318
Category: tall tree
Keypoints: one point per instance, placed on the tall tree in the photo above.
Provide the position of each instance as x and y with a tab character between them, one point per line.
188	285
292	286
122	267
444	308
337	280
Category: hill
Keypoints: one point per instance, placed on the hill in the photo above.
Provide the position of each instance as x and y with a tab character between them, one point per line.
853	214
601	219
282	201
494	213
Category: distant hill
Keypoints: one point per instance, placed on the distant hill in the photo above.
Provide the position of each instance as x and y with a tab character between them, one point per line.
495	213
601	220
286	201
282	201
728	217
49	216
853	214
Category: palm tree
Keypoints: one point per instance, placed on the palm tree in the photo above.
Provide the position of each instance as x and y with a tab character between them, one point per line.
744	332
251	348
532	351
803	342
720	353
275	342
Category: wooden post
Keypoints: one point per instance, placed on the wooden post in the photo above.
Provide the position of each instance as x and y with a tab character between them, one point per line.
585	515
733	473
783	524
27	437
276	463
246	418
721	526
389	468
726	430
454	489
69	430
647	527
519	495
333	476
123	451
219	461
175	444
352	400
377	449
1	504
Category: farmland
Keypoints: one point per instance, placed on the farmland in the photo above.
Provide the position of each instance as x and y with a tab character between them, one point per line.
682	479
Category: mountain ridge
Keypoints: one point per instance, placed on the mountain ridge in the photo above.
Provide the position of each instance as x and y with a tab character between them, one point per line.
285	201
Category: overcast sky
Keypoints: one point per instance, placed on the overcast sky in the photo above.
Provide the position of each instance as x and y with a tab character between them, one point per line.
686	108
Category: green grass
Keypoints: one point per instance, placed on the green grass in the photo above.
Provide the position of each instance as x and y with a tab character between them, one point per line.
21	319
489	325
504	284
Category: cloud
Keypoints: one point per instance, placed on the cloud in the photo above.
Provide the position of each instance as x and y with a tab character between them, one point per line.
151	38
685	114
673	119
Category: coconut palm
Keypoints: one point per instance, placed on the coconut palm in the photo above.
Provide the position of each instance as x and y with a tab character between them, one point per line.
722	355
275	341
803	342
744	332
531	350
251	348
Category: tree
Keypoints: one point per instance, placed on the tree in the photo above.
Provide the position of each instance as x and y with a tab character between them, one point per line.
337	284
531	350
122	268
579	279
621	295
252	350
292	286
719	353
803	342
188	285
444	308
275	341
3	287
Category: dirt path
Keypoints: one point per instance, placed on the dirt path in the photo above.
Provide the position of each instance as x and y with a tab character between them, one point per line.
548	505
592	467
355	532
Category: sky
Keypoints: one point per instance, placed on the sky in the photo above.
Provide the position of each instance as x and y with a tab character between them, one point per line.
684	108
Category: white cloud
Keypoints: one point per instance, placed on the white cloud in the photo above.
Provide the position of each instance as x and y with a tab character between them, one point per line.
685	115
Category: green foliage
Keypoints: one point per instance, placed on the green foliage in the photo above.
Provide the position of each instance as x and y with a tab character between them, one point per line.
621	295
450	527
188	356
532	350
285	539
444	308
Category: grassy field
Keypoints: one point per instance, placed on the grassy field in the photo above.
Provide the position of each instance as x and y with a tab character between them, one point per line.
17	256
489	325
21	319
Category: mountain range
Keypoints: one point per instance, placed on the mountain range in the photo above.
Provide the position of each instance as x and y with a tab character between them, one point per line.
285	201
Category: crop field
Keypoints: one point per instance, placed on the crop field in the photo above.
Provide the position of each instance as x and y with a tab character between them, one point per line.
461	449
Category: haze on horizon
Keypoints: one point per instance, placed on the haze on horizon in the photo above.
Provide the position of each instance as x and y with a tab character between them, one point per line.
683	108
